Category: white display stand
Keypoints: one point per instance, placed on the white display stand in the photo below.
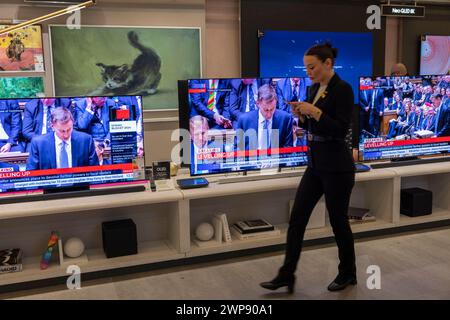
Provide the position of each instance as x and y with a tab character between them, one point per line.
166	220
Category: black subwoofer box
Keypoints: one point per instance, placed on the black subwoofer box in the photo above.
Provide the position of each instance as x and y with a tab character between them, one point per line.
119	238
416	202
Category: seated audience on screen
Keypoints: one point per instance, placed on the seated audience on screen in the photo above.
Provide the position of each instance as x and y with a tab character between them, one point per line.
10	126
93	117
100	149
291	90
212	101
442	128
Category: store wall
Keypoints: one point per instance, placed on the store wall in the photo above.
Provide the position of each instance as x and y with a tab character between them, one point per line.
305	15
218	20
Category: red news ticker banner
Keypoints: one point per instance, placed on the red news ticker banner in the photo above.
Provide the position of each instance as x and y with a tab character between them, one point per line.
249	153
202	90
398	143
126	168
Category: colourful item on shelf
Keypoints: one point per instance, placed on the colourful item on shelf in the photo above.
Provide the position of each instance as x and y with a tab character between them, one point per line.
51	247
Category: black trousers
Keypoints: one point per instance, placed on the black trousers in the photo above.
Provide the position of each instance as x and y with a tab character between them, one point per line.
337	188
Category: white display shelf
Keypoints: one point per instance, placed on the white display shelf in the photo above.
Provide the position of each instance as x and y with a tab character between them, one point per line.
438	214
310	234
85	205
148	252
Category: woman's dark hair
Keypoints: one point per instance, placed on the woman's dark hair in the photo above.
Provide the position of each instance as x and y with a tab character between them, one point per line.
323	51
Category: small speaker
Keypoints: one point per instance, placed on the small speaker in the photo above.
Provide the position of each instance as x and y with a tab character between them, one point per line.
119	238
416	202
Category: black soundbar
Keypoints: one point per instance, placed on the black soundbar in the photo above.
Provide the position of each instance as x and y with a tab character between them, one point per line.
70	194
408	162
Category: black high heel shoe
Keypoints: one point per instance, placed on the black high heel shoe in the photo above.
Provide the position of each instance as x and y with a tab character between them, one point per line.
280	281
341	282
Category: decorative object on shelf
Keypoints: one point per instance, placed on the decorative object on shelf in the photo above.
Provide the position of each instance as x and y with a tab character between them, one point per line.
21	49
10	260
359	215
226	235
125	61
416	202
252	226
204	231
214	241
73	247
51	248
119	238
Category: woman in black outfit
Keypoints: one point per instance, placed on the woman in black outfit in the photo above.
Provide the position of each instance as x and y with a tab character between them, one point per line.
326	116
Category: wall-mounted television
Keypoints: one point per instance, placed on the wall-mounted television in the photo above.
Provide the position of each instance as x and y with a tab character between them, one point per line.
242	124
434	54
48	143
281	53
404	117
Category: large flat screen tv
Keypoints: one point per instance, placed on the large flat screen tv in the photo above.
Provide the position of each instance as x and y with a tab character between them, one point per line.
281	53
48	143
403	117
434	54
242	124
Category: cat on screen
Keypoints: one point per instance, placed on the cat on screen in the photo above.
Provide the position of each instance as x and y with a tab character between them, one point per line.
141	78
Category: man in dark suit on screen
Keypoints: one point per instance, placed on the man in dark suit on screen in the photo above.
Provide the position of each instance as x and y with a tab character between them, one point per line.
291	90
10	126
63	148
243	96
210	99
442	127
257	129
36	119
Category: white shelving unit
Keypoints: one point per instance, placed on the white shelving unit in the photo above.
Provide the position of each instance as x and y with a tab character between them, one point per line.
166	220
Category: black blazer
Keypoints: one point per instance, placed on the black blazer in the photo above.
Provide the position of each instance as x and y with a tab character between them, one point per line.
337	106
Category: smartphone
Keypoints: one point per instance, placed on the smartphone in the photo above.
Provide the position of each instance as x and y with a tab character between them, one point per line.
191	183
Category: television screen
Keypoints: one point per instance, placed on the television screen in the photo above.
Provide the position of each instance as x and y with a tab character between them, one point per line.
75	141
281	53
404	116
435	55
243	124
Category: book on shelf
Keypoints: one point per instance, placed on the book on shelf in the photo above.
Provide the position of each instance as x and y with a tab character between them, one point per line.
218	228
10	260
226	235
254	235
360	215
252	226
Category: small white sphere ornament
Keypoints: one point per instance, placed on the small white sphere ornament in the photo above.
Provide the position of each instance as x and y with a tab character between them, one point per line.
204	231
73	248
